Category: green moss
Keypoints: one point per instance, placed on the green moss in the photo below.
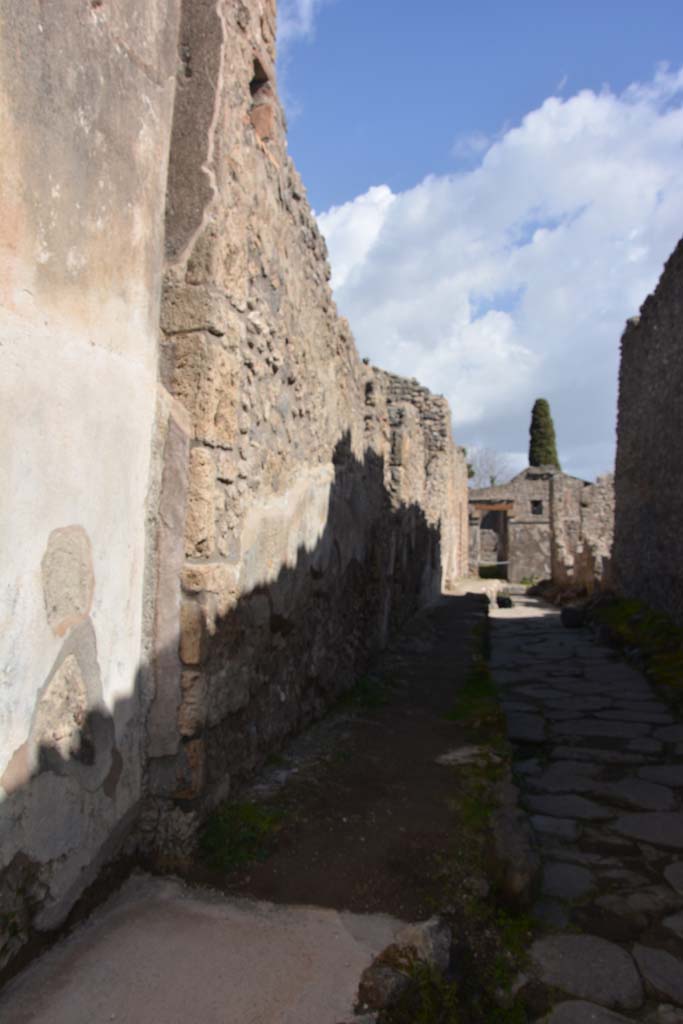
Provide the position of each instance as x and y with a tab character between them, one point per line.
369	692
236	834
433	999
658	640
492	942
477	705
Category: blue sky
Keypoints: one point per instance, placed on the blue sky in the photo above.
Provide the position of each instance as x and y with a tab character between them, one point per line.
499	185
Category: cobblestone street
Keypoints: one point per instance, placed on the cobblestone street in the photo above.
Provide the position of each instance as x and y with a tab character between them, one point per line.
599	761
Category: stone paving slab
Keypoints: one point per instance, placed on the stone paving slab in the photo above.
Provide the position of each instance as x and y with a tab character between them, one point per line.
162	953
661	829
590	968
604	791
673	873
662	972
580	1012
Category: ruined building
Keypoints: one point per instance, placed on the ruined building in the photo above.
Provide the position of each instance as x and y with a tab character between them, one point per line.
542	525
649	467
214	511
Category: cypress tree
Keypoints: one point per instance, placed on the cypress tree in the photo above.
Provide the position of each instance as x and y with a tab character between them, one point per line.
542	444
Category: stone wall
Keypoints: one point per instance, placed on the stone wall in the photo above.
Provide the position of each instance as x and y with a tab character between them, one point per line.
549	526
325	499
528	522
648	549
217	510
583	531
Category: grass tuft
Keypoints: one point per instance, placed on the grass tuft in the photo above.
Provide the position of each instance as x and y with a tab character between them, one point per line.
657	639
236	834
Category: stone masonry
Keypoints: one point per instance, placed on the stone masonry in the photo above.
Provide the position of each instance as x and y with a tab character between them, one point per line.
320	494
545	524
649	468
227	511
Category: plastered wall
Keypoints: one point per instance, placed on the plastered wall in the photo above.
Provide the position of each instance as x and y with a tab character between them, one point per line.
214	511
86	99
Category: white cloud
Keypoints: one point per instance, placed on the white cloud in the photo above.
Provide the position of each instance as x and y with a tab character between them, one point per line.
296	19
514	279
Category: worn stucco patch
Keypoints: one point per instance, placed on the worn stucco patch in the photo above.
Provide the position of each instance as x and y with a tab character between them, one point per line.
62	710
68	578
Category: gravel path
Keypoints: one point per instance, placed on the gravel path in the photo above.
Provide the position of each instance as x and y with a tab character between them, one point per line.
599	761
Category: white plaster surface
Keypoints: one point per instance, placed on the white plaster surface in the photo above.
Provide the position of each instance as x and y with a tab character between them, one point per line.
162	952
76	421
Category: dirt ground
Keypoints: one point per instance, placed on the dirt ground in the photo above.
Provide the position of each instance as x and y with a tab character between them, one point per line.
366	813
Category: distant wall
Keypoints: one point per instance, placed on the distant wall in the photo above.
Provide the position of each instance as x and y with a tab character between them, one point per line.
528	531
86	97
648	543
557	527
582	534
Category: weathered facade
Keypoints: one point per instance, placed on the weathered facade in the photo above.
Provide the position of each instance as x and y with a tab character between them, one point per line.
216	510
544	524
86	104
649	466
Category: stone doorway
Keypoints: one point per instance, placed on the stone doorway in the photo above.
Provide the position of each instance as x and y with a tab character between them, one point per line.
489	527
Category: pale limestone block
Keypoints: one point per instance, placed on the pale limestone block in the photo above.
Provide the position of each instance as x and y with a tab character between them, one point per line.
200	525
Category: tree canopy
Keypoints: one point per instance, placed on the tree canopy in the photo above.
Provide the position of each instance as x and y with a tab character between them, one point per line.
542	443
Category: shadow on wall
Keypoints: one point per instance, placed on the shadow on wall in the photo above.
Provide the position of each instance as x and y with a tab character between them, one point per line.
255	668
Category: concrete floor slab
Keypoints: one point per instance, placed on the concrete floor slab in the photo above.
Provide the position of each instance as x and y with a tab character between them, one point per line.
160	951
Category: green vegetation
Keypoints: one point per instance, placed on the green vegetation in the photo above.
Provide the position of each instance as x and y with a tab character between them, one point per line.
658	640
491	942
433	999
236	834
477	705
369	692
542	443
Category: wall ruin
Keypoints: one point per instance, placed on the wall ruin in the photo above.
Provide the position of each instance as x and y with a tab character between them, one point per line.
649	466
546	525
583	532
218	510
322	495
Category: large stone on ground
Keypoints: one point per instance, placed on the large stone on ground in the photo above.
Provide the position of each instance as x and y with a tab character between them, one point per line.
589	968
666	774
675	924
566	805
670	734
646	746
632	715
658	828
566	777
608	730
517	863
567	881
635	793
381	986
663	973
650	901
674	875
565	753
562	828
579	705
526	728
430	940
580	1012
